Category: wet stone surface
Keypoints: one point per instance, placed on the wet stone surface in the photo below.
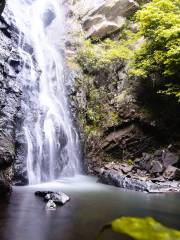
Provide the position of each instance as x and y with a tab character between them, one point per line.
53	198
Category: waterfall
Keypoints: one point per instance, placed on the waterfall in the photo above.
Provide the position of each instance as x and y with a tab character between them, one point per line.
52	140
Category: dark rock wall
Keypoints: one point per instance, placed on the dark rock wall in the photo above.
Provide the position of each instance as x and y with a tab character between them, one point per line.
10	93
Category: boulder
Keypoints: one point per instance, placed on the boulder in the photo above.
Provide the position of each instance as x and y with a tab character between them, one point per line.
145	164
82	7
59	198
169	158
108	17
172	173
156	167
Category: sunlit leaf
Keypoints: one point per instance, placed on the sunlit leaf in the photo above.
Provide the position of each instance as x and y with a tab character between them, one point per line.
142	229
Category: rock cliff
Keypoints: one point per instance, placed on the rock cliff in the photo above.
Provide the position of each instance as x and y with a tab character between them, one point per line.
10	92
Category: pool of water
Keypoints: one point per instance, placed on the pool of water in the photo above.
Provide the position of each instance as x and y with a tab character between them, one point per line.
92	205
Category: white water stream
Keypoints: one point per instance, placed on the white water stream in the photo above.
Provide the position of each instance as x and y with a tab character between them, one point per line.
52	141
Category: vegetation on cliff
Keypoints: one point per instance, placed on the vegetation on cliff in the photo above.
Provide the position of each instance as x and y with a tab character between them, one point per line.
123	75
160	53
152	52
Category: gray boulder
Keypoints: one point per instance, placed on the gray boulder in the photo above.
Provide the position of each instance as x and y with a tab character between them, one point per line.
59	198
156	167
172	173
108	18
169	158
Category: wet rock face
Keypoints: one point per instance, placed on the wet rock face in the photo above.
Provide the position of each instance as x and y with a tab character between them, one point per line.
130	137
10	93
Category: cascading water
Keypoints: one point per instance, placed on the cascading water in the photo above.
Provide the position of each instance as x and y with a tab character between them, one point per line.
52	141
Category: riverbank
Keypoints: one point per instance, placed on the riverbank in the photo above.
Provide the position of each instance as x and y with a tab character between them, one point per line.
112	177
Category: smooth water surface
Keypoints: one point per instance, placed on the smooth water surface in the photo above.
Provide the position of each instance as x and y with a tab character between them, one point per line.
91	206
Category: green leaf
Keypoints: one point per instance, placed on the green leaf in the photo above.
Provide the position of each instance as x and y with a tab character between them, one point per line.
143	229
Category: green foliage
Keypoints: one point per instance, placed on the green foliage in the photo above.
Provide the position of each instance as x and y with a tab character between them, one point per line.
172	89
158	52
94	57
142	229
159	23
99	114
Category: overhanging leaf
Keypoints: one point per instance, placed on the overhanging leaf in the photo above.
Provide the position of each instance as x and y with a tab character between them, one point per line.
143	229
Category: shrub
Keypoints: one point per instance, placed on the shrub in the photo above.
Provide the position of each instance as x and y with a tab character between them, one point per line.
160	53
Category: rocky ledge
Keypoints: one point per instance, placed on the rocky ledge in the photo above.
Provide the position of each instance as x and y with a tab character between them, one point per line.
156	172
112	177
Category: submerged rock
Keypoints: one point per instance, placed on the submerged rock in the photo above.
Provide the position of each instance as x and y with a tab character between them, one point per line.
51	205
